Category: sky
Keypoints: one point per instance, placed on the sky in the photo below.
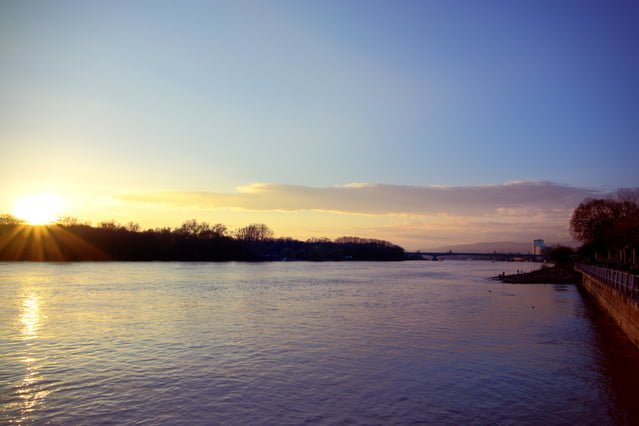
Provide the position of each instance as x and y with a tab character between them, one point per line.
426	123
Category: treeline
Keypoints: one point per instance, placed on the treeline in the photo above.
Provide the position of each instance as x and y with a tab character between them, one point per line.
609	230
69	240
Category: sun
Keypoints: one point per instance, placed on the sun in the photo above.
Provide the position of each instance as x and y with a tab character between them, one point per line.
38	209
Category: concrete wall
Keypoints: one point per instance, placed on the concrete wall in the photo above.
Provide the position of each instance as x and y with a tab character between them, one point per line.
623	308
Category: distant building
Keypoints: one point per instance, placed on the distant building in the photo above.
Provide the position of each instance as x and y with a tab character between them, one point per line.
538	246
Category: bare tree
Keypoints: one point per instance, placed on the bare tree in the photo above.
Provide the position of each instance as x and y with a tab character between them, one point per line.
219	230
109	224
7	219
67	221
254	232
628	195
133	227
317	240
607	223
192	228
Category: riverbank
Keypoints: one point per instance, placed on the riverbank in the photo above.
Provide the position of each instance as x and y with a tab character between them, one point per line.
545	275
193	241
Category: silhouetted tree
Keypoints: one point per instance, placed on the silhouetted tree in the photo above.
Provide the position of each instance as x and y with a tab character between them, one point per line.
193	228
109	224
219	230
559	255
254	232
70	240
133	227
67	221
606	223
608	227
315	240
7	219
630	195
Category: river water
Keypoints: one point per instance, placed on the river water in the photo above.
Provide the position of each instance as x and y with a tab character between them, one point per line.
293	343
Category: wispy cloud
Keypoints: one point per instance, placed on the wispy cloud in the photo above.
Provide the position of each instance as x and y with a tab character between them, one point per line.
513	199
414	216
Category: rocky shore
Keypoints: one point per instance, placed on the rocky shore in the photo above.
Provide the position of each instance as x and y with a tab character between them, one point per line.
545	275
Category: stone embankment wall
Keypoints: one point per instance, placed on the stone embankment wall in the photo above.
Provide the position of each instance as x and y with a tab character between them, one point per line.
618	293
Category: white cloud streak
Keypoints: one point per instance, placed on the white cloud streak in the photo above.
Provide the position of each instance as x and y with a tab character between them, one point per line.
416	217
514	199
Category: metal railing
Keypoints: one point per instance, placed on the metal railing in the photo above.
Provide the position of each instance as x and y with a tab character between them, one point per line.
623	282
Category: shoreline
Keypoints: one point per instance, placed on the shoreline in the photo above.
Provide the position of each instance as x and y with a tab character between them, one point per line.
545	275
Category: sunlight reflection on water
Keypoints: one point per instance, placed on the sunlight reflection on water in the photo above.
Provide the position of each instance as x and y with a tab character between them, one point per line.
29	394
200	343
30	316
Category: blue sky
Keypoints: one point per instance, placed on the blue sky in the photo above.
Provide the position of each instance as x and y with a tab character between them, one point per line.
123	97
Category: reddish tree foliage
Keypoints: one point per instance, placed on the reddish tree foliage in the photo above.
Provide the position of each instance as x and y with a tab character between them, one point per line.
606	223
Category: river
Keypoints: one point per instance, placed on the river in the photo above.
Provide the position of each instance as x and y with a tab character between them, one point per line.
297	342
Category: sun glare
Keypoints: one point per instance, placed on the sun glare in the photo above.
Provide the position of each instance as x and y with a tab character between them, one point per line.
40	209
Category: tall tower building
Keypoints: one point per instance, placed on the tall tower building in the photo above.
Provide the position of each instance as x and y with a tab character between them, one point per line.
538	246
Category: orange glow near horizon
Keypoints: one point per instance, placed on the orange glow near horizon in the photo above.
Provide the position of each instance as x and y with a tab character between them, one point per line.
38	209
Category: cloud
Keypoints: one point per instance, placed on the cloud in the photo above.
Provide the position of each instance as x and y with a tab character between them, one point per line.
514	199
416	217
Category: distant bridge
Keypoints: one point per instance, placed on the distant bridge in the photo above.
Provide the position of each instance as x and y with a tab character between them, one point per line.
435	255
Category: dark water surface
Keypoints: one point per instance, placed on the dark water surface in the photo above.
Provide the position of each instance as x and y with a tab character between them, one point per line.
293	343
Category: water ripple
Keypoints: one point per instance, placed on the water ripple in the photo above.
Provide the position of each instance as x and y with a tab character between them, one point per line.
298	343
